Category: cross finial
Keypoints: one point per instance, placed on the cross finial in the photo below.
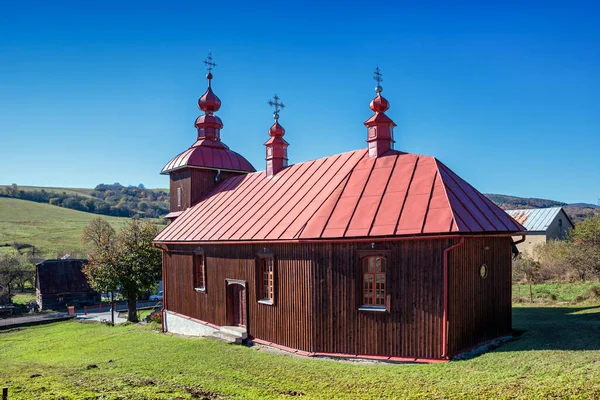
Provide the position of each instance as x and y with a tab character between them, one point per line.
378	76
210	64
277	105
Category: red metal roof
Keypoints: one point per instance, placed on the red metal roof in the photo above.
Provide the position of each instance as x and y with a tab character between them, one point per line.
348	195
203	155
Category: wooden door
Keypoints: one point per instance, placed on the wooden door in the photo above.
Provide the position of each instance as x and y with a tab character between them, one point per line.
237	305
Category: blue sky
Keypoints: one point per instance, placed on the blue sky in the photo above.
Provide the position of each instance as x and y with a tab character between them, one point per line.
506	94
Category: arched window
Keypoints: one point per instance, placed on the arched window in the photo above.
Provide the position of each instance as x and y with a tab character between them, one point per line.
373	281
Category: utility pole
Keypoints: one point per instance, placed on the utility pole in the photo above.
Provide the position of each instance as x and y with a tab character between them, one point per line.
112	308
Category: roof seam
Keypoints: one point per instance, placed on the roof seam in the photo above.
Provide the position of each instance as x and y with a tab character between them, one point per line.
383	194
179	227
270	207
437	166
302	198
348	160
412	176
474	203
362	192
345	181
198	227
270	192
429	201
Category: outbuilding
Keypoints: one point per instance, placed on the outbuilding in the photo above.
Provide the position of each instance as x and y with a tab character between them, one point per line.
542	225
59	283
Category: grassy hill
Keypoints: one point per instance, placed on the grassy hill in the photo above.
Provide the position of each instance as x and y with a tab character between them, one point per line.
51	229
74	191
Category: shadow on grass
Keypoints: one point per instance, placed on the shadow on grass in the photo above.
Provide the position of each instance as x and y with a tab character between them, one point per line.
549	328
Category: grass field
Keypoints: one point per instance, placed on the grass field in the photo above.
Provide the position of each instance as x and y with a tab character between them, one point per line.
50	228
75	191
558	356
558	293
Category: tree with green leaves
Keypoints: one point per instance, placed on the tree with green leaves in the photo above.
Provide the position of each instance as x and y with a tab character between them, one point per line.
10	271
128	263
584	254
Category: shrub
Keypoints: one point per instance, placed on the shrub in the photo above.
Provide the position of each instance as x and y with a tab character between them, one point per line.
156	316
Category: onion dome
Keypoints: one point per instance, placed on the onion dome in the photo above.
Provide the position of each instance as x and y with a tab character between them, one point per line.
379	103
276	130
209	102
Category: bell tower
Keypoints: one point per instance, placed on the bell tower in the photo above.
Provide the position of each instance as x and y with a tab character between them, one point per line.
208	161
380	127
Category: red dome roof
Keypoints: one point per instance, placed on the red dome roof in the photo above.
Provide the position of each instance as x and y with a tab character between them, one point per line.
379	104
203	156
276	130
209	102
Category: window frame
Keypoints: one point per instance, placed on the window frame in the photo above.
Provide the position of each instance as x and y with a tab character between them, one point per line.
262	258
361	256
197	254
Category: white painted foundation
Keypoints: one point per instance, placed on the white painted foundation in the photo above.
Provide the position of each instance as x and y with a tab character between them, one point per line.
184	326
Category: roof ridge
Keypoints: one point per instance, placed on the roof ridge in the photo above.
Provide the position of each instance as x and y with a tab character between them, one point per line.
454	220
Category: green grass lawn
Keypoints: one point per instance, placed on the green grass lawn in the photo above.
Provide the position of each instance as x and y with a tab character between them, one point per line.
50	228
23	298
558	356
557	293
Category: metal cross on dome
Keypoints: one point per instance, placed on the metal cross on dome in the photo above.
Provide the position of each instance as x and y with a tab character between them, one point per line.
378	76
210	64
278	106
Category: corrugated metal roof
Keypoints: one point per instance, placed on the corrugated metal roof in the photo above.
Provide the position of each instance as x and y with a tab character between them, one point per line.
536	219
341	196
216	156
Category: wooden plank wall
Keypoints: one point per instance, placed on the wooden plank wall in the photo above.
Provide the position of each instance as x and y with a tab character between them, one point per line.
195	183
318	293
411	328
287	323
480	309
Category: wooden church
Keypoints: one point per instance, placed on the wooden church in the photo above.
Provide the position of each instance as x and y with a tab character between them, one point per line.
375	253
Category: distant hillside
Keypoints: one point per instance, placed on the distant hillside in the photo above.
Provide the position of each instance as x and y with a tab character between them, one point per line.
50	229
115	199
512	202
576	211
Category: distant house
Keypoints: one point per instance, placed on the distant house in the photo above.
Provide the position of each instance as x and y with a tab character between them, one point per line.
59	283
542	224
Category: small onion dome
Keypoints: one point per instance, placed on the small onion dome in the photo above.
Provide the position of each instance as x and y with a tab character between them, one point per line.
379	104
209	102
208	120
276	130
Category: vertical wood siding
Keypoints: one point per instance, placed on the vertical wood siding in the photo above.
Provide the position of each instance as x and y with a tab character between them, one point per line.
318	293
410	327
287	322
480	309
194	184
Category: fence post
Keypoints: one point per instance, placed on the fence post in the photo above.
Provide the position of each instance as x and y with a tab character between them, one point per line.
85	310
5	393
100	307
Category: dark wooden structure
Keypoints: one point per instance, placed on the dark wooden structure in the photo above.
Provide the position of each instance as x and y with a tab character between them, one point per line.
4	298
59	283
373	253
